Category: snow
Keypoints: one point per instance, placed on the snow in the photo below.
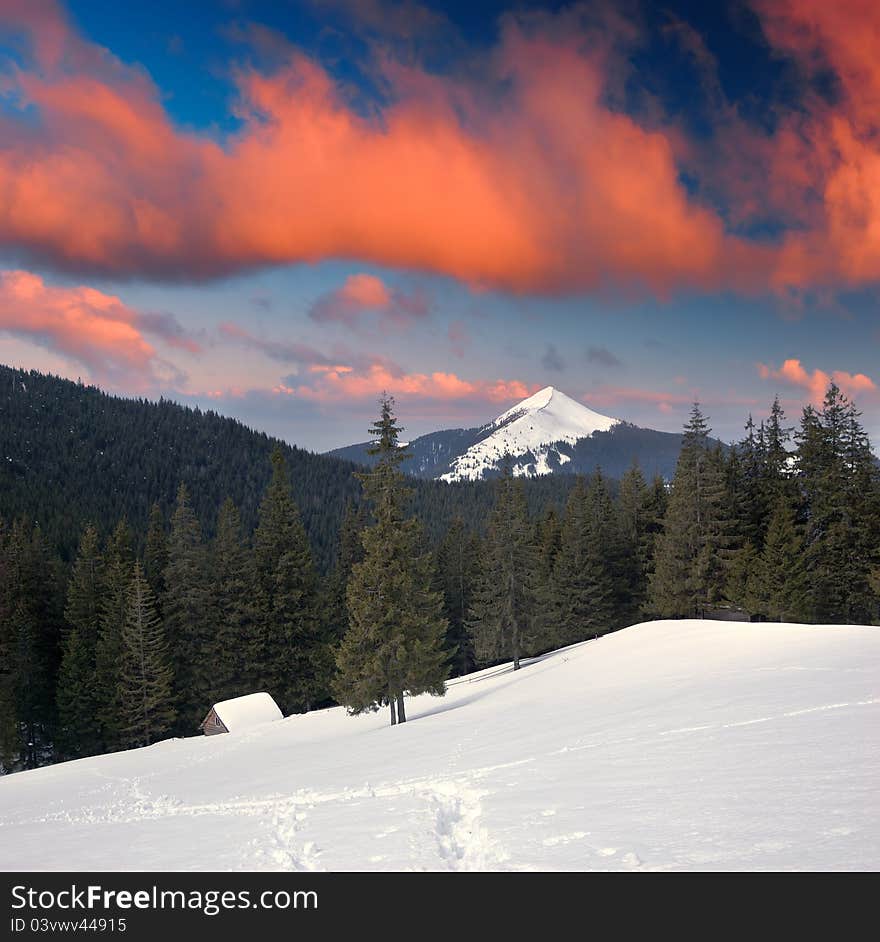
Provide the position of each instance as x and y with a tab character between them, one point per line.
533	426
244	712
675	745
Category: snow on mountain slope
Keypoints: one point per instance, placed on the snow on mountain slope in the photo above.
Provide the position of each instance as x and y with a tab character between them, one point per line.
531	429
666	746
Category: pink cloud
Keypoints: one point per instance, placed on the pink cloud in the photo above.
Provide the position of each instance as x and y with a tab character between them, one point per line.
816	382
95	329
343	383
520	179
363	294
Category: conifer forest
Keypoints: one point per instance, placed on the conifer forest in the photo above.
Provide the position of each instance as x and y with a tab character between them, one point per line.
127	612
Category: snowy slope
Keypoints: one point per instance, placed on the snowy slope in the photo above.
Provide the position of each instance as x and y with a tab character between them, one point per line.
529	431
667	746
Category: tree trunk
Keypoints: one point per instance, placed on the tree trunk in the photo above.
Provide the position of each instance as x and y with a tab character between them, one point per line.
401	711
393	714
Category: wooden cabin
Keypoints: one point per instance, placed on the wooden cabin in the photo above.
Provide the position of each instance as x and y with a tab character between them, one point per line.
232	716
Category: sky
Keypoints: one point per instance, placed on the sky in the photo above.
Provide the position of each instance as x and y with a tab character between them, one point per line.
280	210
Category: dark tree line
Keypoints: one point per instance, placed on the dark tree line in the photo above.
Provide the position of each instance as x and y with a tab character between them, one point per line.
136	637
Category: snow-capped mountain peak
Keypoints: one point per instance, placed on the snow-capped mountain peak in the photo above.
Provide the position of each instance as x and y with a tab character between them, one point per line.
532	432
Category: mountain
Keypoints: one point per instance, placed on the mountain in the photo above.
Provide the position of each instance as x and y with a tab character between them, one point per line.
671	745
71	454
546	433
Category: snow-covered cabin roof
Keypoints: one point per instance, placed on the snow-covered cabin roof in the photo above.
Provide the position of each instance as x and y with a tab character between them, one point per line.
244	712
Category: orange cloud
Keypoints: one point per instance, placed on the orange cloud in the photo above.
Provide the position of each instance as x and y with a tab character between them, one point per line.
95	329
340	383
366	293
817	382
524	180
828	157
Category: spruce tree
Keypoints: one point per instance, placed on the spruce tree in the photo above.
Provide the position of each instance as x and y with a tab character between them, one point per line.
582	586
505	612
118	560
838	476
234	611
156	552
350	551
636	523
29	643
145	675
781	583
186	612
79	729
395	640
693	553
458	562
291	653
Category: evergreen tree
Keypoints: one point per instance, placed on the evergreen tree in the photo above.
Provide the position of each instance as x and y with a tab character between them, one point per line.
637	518
29	645
505	608
692	554
156	553
186	611
582	586
350	552
395	640
458	563
233	609
118	560
292	652
781	583
612	557
79	729
145	675
743	587
839	480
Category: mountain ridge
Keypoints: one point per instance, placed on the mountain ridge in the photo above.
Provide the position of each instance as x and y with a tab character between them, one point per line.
546	433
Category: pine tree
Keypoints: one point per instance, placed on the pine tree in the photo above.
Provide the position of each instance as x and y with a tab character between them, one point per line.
693	553
395	640
145	675
582	586
839	479
118	560
156	553
233	609
186	610
781	583
351	551
611	553
79	729
636	523
504	616
292	652
29	644
458	562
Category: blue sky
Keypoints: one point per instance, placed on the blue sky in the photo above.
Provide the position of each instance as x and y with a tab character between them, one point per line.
278	210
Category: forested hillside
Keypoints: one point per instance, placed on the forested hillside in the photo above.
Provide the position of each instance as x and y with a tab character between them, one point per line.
168	596
71	455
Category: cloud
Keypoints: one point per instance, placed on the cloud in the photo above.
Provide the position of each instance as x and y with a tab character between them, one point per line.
95	329
362	294
551	359
816	383
602	356
519	178
343	383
